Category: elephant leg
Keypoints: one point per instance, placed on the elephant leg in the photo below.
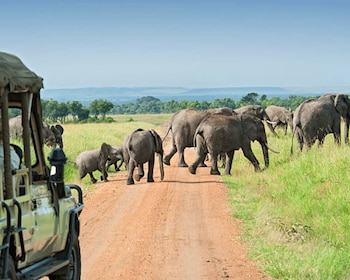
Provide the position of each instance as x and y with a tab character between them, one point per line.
116	168
300	141
265	151
109	163
167	158
182	162
92	178
214	164
140	174
202	163
337	139
131	167
104	176
228	164
200	158
248	153
150	170
222	158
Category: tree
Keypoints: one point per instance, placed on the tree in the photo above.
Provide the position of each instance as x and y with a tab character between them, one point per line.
249	99
83	114
51	110
104	106
94	108
74	108
62	112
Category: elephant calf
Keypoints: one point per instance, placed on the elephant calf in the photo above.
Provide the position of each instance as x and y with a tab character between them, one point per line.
140	147
119	157
92	160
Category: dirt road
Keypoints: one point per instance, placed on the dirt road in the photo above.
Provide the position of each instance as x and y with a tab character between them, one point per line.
179	228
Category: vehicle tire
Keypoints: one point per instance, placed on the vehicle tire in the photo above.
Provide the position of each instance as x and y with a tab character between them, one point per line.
11	270
74	268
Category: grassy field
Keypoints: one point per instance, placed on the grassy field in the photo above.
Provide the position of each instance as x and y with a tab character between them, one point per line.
295	214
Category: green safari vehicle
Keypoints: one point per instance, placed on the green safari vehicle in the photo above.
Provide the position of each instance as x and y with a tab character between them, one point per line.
39	213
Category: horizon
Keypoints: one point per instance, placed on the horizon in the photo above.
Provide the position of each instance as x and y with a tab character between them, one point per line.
124	95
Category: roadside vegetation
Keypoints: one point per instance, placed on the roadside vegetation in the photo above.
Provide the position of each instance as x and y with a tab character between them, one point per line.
295	214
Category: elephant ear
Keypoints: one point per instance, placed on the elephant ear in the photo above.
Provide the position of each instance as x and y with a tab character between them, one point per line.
342	105
158	141
104	152
250	126
59	128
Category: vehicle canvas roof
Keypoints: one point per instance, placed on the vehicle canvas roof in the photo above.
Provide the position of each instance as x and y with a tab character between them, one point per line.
17	76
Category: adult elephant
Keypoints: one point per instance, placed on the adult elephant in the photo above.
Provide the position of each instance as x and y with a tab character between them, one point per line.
280	116
140	147
218	133
258	112
315	118
52	134
183	125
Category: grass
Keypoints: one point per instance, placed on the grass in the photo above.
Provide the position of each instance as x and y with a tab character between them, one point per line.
295	214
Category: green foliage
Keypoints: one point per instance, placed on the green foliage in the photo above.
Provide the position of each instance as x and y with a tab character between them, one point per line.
296	213
55	111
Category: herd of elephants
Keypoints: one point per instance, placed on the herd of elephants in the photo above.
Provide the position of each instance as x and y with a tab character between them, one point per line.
217	132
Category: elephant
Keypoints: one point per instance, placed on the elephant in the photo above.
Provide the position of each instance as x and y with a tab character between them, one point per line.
57	131
92	160
257	111
119	157
140	147
52	135
183	125
280	116
315	118
220	133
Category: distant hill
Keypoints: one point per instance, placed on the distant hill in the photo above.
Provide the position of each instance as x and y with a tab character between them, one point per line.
122	95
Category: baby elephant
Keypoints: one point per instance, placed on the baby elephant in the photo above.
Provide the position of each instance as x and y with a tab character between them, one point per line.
91	160
140	147
119	157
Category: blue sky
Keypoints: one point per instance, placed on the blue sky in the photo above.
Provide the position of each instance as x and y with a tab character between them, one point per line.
72	44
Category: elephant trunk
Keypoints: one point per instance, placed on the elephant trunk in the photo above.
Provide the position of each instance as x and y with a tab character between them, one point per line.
161	166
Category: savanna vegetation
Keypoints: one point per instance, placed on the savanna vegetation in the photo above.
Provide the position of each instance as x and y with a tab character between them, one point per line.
74	111
295	214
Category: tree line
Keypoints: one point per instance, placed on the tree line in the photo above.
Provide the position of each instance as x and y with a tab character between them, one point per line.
74	111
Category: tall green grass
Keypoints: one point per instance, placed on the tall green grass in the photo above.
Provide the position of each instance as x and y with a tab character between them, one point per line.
295	214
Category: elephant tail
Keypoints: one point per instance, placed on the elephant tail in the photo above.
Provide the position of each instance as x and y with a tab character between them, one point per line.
166	134
199	131
291	148
72	162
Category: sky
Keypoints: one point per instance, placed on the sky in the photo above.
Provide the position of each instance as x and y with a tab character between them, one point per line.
193	44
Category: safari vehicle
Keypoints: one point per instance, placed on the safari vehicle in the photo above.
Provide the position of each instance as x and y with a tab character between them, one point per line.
39	213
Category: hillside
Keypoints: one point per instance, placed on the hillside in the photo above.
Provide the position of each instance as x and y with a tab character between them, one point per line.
122	95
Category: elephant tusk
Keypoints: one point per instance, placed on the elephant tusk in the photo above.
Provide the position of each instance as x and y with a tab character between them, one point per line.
270	122
272	150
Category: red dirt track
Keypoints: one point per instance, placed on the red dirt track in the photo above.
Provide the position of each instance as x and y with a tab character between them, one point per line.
179	228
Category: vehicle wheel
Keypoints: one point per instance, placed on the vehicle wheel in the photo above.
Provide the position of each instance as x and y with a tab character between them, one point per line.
11	270
74	268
